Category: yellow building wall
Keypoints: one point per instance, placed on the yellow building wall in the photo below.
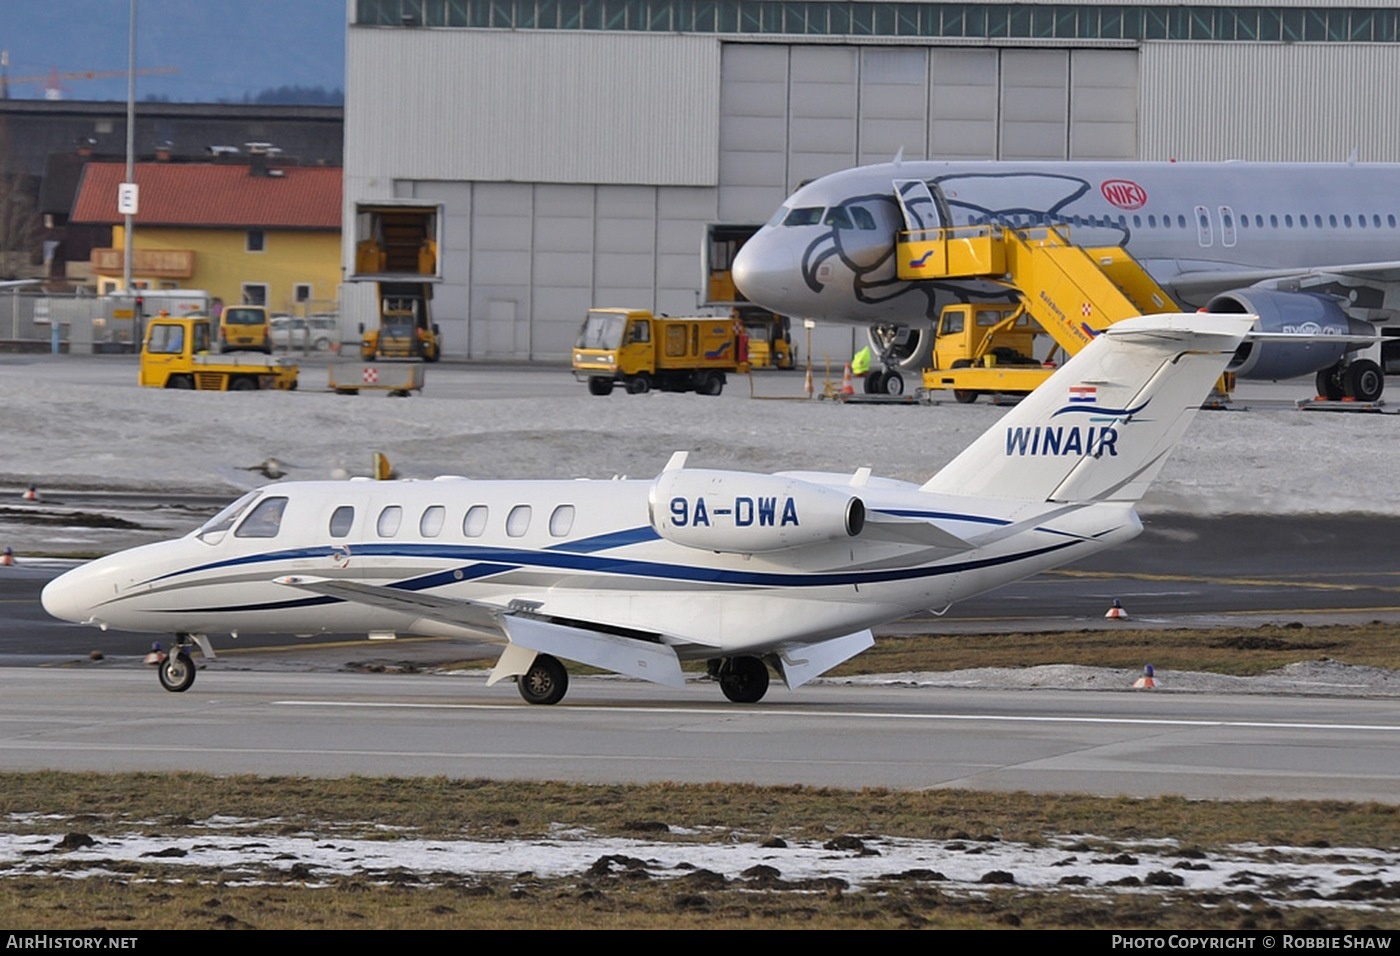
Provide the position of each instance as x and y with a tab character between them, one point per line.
222	264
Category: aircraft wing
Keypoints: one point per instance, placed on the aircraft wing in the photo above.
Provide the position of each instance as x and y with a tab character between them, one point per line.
448	610
633	656
1209	281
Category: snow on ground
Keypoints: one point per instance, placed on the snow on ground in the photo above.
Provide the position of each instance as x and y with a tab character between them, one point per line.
249	852
109	434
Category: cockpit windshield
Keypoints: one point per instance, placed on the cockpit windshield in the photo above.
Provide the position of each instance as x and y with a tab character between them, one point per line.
805	216
601	330
225	519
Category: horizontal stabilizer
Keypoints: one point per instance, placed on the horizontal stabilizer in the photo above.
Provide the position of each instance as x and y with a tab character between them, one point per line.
621	655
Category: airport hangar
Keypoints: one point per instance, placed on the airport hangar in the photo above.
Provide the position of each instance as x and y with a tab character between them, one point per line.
578	149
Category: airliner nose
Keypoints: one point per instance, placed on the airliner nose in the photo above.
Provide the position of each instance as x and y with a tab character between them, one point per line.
762	273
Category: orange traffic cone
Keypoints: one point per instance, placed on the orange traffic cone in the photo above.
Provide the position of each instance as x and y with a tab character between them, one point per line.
807	385
1145	682
31	494
1116	612
847	387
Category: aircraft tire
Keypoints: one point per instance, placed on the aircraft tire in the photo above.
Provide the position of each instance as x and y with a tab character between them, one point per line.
744	680
597	385
875	383
1329	384
546	682
1364	380
176	672
964	396
894	383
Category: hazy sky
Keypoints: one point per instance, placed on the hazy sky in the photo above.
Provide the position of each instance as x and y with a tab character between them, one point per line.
224	49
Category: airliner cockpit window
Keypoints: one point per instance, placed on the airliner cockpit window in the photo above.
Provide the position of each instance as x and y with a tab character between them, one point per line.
836	216
264	521
224	519
806	216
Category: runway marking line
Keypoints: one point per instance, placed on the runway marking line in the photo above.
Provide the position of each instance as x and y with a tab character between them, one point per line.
865	715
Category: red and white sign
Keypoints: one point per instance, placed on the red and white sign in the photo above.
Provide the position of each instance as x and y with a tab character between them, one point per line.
371	375
1124	193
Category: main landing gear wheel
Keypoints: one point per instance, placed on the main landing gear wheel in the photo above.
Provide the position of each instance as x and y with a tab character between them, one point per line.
875	383
894	383
1329	383
744	680
1364	380
545	682
176	672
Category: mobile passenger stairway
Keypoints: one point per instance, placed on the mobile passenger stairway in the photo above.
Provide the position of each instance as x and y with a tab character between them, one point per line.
1070	292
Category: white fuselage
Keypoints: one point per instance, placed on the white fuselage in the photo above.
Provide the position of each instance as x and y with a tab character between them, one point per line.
828	253
570	551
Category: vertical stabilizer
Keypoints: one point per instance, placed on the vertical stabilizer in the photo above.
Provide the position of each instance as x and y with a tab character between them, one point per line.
1102	426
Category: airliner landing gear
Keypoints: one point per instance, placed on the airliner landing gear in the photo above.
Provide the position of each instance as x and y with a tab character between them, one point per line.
176	672
545	682
744	680
884	381
1361	380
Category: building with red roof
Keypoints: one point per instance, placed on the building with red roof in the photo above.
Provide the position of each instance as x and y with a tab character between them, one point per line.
244	231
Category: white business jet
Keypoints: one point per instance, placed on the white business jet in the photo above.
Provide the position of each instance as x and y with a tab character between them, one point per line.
747	571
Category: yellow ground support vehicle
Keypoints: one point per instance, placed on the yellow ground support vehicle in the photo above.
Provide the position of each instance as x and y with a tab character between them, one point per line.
406	329
175	354
770	343
245	328
992	344
641	351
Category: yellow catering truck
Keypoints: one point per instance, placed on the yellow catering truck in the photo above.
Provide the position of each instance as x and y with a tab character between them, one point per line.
175	354
642	351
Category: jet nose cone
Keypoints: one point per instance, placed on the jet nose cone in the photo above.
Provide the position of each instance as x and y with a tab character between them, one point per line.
68	597
761	273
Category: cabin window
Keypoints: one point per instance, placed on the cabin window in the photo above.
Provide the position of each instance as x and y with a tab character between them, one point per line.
518	521
341	520
264	521
389	520
430	525
474	522
561	521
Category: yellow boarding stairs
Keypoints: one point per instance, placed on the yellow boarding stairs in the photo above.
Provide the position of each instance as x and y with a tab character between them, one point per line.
1072	292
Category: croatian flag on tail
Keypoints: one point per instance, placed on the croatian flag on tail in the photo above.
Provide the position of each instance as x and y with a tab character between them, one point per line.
1084	394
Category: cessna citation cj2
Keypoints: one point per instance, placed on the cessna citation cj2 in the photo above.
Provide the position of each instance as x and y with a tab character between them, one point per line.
788	571
1309	249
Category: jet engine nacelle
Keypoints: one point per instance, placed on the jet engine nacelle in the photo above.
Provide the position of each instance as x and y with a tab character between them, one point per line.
1292	312
741	513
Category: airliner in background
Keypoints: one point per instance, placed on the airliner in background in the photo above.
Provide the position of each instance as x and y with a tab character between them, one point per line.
1308	248
746	571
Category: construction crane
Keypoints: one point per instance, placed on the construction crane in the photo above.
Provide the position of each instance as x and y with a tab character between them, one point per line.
54	80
